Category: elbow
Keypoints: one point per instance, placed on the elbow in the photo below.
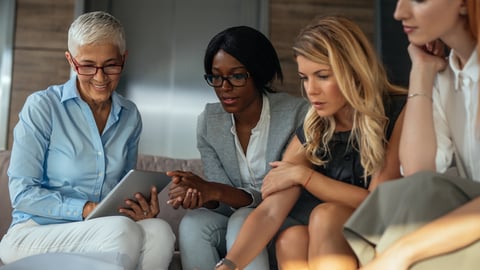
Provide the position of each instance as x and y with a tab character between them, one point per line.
410	170
266	215
409	167
417	162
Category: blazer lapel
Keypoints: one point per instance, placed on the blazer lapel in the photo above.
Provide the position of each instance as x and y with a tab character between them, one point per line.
225	143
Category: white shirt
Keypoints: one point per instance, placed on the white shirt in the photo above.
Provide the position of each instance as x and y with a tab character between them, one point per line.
252	165
455	99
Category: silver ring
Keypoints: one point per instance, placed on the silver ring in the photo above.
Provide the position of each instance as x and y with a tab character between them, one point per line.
145	213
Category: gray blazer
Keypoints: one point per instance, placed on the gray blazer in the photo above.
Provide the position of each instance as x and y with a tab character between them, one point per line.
217	144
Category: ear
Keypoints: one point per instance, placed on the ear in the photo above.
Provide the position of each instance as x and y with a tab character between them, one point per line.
69	58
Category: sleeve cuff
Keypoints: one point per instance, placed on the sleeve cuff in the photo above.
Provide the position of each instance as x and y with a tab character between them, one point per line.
256	197
73	209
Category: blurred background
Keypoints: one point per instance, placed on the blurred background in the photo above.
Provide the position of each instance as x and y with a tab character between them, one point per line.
166	40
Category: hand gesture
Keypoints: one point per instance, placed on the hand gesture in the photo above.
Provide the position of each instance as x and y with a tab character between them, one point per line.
430	56
187	190
177	190
141	208
282	176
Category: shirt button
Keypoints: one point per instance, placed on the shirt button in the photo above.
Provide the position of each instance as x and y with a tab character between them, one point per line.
347	157
99	153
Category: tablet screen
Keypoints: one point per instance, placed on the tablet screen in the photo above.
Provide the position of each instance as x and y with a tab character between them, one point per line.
134	181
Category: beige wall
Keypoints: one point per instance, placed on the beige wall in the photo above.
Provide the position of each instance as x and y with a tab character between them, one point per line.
41	40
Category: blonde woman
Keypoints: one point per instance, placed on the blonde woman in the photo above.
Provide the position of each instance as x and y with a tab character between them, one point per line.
347	146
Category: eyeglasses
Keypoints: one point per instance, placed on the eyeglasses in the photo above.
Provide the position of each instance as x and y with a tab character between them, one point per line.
90	70
237	79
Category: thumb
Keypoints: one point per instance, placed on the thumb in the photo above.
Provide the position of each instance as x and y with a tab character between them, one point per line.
176	180
274	164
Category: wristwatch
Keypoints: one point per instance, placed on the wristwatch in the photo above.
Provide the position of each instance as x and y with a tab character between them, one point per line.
226	262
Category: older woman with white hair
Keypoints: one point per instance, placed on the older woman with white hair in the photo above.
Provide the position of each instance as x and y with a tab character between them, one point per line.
72	145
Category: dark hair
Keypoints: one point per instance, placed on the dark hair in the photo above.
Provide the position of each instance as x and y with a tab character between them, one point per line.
251	48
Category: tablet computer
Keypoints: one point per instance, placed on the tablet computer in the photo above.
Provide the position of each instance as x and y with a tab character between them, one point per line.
134	181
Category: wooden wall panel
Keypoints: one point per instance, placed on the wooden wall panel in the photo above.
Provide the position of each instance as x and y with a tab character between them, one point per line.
43	24
39	46
288	17
33	71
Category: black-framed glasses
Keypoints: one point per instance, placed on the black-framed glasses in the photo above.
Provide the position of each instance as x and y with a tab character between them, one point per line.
90	70
236	79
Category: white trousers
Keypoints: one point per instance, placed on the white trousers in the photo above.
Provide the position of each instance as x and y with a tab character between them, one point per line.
143	245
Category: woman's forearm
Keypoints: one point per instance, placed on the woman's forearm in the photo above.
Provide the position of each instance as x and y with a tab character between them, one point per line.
332	190
254	236
228	195
451	232
261	226
418	144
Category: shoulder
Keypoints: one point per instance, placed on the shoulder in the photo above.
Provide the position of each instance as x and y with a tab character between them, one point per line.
213	108
45	99
212	115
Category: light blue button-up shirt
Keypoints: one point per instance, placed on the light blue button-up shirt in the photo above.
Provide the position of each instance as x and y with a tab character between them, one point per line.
59	159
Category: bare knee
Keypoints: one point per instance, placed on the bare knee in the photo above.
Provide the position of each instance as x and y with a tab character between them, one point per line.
293	236
328	217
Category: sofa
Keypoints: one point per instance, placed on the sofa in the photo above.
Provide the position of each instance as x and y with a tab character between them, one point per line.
144	162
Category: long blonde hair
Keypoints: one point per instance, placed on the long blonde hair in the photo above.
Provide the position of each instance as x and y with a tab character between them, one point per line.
338	42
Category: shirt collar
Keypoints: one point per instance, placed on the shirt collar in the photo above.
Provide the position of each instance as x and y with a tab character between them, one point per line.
468	76
70	90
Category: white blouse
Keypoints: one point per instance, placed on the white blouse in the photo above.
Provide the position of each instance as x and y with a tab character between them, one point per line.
455	98
252	164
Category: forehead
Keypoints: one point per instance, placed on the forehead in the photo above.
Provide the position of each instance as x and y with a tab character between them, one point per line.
307	65
98	52
223	59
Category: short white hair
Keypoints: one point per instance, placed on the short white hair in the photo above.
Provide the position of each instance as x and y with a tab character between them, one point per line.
96	27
